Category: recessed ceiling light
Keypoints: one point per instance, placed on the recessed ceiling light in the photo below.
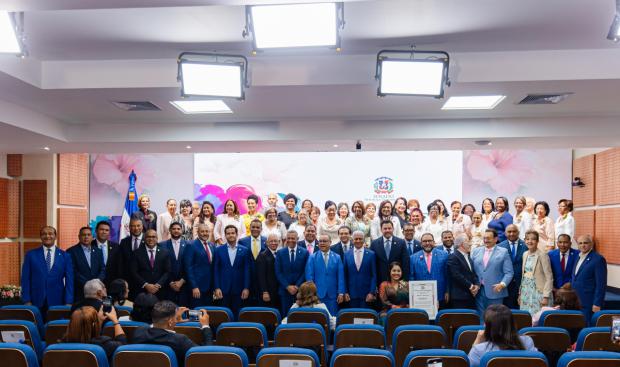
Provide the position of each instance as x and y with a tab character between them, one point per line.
335	145
473	102
207	106
46	148
8	37
188	147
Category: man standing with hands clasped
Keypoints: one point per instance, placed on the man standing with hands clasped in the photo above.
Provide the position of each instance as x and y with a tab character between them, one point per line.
464	283
150	266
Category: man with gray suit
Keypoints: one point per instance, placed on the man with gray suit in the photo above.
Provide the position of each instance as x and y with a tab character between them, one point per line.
493	266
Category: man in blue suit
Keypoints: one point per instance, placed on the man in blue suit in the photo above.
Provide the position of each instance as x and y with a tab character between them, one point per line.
412	244
494	269
309	243
563	261
360	272
325	269
177	291
47	274
290	270
589	277
516	248
87	262
232	272
430	264
388	249
255	243
199	266
342	247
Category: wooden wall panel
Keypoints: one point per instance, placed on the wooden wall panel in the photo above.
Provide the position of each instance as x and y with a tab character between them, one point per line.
584	168
4	207
9	263
73	179
35	207
14	165
607	173
584	222
608	234
13	218
70	220
30	246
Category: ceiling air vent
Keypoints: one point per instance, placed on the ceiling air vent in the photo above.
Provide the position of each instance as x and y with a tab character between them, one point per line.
136	106
544	98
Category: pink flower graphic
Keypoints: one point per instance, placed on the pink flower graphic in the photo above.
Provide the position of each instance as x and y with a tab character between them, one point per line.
113	170
504	170
217	196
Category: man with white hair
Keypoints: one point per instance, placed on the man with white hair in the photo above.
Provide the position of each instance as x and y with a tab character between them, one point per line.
463	281
589	277
94	293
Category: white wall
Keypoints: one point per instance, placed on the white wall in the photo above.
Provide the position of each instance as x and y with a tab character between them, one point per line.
43	167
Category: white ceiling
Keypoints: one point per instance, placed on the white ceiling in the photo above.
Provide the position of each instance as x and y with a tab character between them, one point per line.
84	54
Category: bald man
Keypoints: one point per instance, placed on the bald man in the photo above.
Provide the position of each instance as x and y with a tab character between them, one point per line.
516	248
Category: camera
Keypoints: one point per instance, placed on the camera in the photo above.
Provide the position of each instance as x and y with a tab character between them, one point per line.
192	315
107	304
358	145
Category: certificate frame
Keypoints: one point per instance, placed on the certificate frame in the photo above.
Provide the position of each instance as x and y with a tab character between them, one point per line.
423	295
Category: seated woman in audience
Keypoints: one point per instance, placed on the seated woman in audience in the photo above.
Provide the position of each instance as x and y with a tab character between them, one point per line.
416	217
522	219
119	291
371	210
469	210
330	223
488	212
299	226
565	224
460	222
229	217
145	214
307	205
142	308
253	213
499	333
537	277
476	230
358	221
385	213
435	223
307	297
272	225
187	220
393	293
400	210
343	211
542	224
565	299
85	327
206	216
502	218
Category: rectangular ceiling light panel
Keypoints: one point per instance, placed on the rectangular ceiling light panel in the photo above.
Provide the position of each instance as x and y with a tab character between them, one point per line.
211	79
207	106
412	77
8	37
473	102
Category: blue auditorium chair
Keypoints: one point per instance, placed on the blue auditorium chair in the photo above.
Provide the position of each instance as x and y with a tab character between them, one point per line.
362	357
216	356
359	336
269	357
348	315
408	338
18	355
31	333
303	335
452	319
590	359
464	337
133	355
511	358
23	312
450	357
74	354
403	316
596	339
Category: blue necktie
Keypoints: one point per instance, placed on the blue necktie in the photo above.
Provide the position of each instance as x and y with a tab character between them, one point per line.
48	260
514	251
388	248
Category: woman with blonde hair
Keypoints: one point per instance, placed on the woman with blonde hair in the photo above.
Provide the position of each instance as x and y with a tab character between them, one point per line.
145	214
307	297
85	327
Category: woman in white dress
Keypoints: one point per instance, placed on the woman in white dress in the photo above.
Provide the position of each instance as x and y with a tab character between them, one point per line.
522	219
488	212
385	213
565	224
330	223
460	222
435	224
416	217
303	219
476	230
230	216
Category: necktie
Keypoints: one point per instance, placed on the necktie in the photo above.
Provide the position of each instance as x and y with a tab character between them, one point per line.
207	250
513	250
152	258
105	253
449	250
310	248
388	248
468	260
255	248
358	259
88	255
135	243
345	248
292	256
326	258
428	262
563	262
410	245
48	259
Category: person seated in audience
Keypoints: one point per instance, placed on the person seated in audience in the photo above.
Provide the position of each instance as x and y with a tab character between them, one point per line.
85	327
119	291
165	315
94	292
394	293
565	299
499	333
307	297
142	309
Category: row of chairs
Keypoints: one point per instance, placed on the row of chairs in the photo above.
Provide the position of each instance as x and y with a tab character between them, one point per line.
87	355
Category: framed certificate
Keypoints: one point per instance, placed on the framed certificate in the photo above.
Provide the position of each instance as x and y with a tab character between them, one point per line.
423	295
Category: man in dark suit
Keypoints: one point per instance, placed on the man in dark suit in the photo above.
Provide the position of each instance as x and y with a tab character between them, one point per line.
447	242
360	271
128	245
232	272
342	247
165	316
563	261
516	248
150	266
87	262
463	281
266	274
388	249
47	274
412	244
589	277
430	264
290	270
109	250
177	290
199	268
255	244
309	243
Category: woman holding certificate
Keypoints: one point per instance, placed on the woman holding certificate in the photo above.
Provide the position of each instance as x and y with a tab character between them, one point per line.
393	293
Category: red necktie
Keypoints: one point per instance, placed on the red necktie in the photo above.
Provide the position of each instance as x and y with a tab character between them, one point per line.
208	252
563	262
152	258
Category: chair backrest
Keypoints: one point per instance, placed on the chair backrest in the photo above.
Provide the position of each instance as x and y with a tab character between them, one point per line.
310	315
513	358
242	334
403	316
361	336
303	335
408	338
270	357
362	357
216	356
451	320
74	354
596	339
268	317
192	330
217	315
354	315
571	320
464	337
522	318
123	310
603	318
17	355
23	312
129	327
31	333
450	358
55	330
151	355
548	339
590	359
62	312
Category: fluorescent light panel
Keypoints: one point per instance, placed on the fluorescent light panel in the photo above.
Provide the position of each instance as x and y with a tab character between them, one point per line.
207	106
473	102
8	37
215	80
412	77
295	25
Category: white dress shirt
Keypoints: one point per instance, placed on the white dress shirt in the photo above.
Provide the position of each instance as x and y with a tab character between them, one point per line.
103	246
52	254
582	258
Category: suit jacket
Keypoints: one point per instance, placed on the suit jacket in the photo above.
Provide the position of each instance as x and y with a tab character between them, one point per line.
461	277
417	246
364	281
562	277
113	265
39	285
142	272
302	244
198	267
179	343
266	273
590	281
517	262
398	253
126	253
329	279
247	243
543	276
81	271
232	279
177	270
290	273
419	271
499	269
338	249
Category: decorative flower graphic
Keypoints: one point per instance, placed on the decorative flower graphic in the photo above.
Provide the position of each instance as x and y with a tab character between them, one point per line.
504	170
217	196
113	170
